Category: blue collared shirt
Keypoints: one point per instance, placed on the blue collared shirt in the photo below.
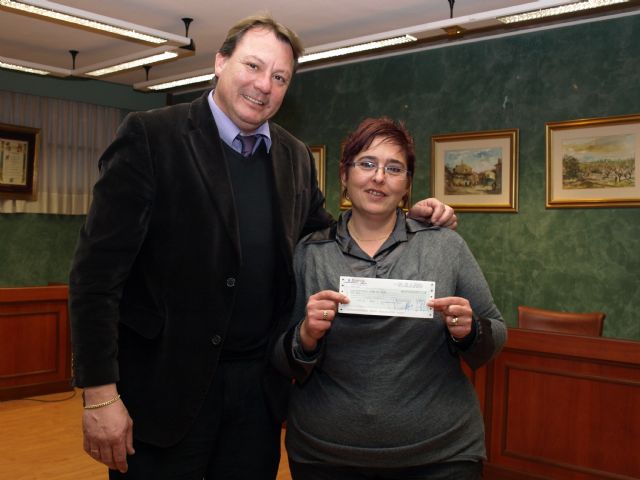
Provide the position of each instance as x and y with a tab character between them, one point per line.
229	131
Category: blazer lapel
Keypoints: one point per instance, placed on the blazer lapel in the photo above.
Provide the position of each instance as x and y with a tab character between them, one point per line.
206	149
282	161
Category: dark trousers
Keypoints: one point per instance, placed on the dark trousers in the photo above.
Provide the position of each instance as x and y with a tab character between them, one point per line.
439	471
234	437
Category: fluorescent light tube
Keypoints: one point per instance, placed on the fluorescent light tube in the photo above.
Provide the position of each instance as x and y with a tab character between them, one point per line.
133	64
179	80
94	21
30	67
20	68
560	10
182	82
362	47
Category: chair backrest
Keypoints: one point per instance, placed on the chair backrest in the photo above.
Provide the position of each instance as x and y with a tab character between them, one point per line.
589	324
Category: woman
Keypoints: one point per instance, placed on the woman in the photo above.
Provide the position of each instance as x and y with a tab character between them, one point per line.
385	397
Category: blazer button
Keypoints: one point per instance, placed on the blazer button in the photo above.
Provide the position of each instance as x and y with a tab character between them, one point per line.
216	340
231	282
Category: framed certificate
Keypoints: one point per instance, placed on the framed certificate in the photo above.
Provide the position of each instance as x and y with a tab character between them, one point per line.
18	160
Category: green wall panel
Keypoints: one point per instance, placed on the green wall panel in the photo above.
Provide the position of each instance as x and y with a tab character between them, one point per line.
36	249
573	259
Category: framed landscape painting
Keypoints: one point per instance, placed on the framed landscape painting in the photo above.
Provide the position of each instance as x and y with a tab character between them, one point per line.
593	162
476	171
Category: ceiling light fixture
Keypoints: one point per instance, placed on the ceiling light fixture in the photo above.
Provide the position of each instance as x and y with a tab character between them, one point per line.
159	57
560	10
173	45
362	47
30	67
185	81
198	76
93	21
20	68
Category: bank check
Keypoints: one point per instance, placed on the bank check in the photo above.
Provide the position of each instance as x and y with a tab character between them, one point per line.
387	297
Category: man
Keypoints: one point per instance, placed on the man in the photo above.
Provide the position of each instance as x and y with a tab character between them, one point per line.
182	275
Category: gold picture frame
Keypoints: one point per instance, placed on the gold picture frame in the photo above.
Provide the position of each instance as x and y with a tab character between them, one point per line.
593	163
18	160
476	171
319	155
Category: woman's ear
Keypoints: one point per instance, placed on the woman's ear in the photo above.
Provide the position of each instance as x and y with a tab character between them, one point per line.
343	179
405	198
344	193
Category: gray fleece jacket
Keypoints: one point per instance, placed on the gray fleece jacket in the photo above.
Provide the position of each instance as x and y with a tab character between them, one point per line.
388	392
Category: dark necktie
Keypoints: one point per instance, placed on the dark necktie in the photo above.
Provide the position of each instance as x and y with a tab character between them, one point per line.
247	141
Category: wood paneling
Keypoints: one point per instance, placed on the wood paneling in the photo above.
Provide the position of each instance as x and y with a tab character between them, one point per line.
35	353
563	407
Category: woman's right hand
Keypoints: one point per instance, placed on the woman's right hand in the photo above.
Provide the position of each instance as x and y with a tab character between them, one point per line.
322	308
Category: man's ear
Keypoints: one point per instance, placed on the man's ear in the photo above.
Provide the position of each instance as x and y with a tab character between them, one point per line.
220	63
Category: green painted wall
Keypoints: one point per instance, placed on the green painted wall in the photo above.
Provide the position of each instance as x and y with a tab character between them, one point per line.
576	259
573	259
36	249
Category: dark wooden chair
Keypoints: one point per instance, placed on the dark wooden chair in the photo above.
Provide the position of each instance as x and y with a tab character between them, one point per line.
589	324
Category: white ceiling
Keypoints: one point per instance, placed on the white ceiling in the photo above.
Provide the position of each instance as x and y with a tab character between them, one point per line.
318	22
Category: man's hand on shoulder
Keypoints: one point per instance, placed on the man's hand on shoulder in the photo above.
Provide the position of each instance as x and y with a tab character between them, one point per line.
432	210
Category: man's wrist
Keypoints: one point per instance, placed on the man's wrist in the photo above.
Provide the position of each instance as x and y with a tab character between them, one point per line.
99	394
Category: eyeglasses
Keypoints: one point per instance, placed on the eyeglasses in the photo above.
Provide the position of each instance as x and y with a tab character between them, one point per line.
367	166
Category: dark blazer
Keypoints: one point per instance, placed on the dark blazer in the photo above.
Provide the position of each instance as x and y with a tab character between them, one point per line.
152	283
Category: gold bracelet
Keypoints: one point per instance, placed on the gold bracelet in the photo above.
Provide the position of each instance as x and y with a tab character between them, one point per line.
101	404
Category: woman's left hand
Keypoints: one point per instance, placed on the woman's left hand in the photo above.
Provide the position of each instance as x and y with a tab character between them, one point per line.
457	314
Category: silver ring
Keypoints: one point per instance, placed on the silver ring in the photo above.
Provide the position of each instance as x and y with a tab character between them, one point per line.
325	315
454	321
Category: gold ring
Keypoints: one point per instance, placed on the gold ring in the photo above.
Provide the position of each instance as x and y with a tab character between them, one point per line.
454	321
325	315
